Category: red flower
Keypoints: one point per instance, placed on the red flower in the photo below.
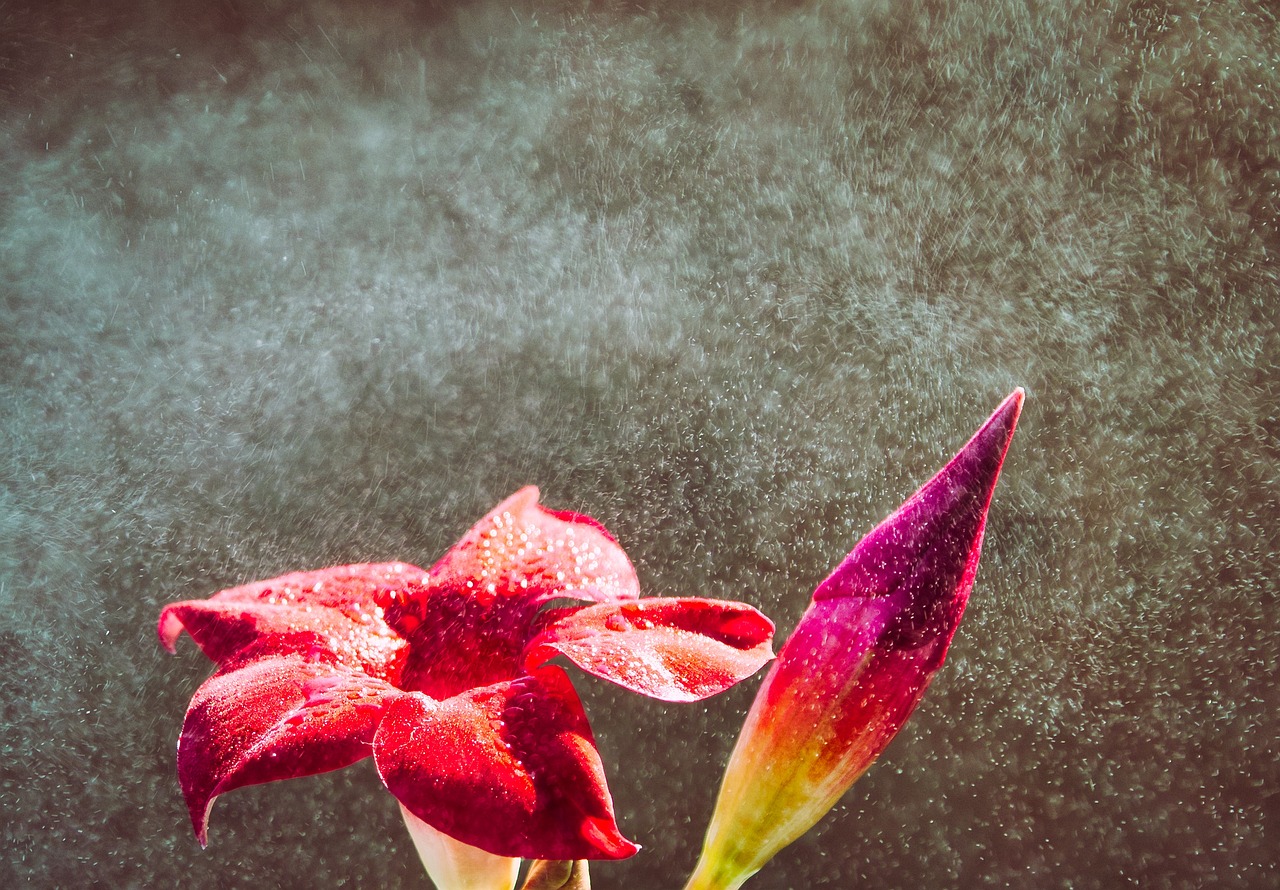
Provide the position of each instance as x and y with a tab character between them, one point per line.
442	676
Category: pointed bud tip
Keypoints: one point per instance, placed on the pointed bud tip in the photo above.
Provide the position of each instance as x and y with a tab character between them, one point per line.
1011	407
1005	417
1016	398
990	443
953	502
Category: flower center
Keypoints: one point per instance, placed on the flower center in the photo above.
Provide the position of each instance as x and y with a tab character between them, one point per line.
457	642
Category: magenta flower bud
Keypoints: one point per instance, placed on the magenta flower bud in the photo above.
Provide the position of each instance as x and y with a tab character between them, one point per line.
857	665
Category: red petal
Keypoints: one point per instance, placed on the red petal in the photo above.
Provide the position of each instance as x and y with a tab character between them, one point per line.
275	718
511	768
522	549
335	611
670	649
469	624
458	643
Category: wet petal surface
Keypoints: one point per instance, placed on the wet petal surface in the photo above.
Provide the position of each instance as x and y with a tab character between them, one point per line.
332	613
522	549
275	718
511	768
670	649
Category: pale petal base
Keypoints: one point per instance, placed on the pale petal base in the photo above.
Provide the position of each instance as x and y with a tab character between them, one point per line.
714	875
453	865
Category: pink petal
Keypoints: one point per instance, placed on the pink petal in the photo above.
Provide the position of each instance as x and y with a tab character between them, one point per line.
511	768
274	718
521	549
670	649
336	611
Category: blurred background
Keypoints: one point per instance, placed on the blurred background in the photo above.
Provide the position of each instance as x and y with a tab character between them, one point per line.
292	283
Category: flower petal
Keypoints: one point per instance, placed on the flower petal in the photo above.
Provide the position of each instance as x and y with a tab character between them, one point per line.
522	549
511	768
335	614
274	718
670	649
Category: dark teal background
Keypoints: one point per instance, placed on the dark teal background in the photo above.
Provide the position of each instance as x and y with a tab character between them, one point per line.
287	284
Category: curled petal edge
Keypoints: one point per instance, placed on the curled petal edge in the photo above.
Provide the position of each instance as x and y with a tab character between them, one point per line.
274	718
669	649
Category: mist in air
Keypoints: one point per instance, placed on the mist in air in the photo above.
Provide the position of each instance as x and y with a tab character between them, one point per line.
298	283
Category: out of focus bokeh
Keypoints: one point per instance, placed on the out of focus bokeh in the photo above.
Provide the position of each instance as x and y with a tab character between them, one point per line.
291	283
